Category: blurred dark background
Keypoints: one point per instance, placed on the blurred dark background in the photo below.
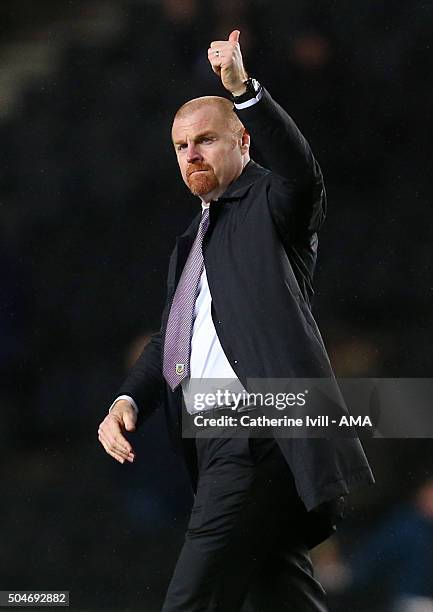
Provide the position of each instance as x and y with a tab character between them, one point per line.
90	204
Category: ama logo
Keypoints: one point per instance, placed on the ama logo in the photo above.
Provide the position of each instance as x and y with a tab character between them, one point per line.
358	421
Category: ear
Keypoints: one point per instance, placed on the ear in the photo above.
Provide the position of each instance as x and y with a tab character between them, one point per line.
246	140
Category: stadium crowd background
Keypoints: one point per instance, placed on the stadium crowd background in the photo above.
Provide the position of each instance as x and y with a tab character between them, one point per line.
90	204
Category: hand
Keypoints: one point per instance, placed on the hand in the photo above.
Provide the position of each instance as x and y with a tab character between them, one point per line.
225	57
121	418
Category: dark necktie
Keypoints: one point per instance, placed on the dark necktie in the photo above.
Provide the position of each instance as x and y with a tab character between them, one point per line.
177	345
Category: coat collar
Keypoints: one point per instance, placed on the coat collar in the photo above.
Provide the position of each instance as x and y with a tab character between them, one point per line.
250	175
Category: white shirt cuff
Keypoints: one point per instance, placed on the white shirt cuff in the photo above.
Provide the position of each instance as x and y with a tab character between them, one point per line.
250	102
128	399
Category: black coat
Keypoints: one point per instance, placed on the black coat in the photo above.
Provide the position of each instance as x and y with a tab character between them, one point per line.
260	252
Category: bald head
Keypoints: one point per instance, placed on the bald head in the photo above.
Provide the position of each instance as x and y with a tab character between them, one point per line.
211	144
222	105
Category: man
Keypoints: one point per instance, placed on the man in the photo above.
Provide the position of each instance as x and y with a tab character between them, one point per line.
238	307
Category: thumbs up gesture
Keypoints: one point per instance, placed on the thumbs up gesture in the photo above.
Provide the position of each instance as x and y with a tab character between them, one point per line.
225	57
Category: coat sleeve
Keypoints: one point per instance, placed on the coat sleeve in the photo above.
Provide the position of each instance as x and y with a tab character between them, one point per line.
283	149
145	382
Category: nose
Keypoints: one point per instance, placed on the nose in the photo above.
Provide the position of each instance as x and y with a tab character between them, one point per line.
193	154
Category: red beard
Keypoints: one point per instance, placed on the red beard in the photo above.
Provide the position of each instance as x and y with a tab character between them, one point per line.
201	182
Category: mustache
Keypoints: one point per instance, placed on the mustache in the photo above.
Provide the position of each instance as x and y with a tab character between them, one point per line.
196	167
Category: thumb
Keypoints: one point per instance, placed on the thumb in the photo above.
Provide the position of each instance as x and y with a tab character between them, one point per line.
234	36
129	422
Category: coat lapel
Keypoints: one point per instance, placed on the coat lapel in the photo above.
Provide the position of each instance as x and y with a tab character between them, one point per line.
183	246
252	172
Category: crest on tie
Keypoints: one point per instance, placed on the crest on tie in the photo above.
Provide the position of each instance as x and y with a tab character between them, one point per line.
180	368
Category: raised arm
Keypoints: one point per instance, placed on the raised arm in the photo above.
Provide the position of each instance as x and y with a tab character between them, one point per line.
275	136
282	147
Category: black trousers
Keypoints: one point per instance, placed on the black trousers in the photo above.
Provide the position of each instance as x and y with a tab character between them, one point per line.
244	549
